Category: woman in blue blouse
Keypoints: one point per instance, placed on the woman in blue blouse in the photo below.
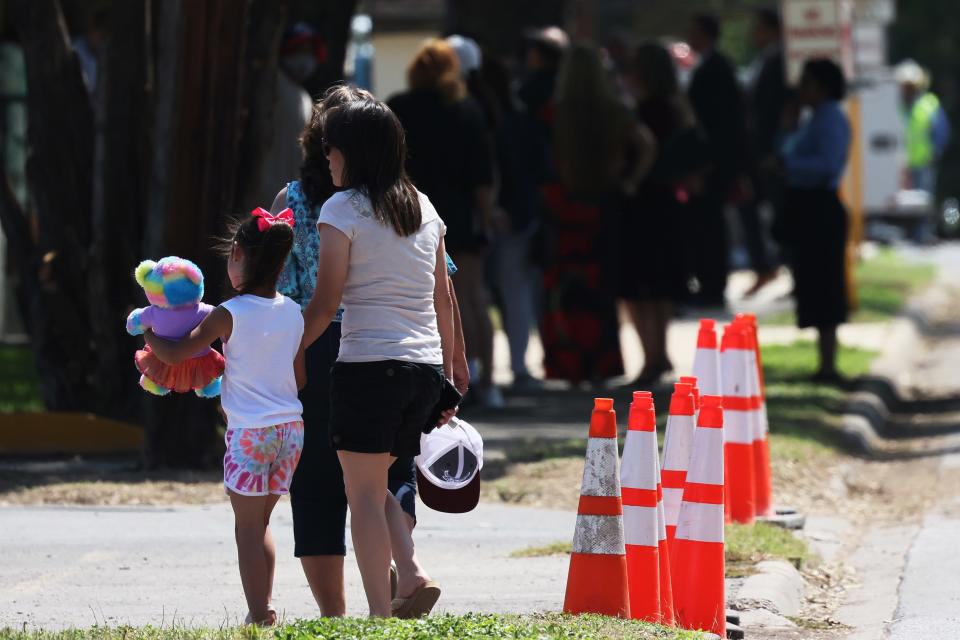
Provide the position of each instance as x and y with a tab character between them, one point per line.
814	158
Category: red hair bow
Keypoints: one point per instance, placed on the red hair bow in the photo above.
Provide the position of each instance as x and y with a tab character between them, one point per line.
265	218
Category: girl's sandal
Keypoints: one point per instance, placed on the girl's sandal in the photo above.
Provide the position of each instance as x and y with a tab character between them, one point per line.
419	604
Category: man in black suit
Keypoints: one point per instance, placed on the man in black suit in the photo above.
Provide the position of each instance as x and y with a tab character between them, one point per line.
718	104
767	95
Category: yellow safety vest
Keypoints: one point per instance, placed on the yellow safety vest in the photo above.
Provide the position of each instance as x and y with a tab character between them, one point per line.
919	140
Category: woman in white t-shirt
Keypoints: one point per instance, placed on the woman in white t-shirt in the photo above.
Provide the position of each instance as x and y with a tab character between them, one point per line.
382	255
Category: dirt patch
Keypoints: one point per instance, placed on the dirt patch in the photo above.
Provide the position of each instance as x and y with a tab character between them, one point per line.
103	486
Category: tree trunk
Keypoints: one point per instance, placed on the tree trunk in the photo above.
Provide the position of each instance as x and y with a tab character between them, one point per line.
60	131
215	96
334	27
119	199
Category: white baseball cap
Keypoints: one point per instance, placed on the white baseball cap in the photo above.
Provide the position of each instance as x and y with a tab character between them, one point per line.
468	53
448	467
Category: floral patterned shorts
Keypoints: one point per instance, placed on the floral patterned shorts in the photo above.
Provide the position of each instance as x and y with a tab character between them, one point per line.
260	461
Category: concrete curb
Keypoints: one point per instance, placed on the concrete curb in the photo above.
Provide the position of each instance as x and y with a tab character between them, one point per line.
866	416
776	587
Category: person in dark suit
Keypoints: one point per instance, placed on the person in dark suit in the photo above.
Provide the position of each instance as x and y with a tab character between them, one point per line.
717	102
767	94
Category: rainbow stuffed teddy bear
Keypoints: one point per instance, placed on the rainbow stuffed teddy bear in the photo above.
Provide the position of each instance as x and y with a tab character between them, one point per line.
174	288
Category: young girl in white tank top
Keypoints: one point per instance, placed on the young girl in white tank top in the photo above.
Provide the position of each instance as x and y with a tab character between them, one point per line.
261	332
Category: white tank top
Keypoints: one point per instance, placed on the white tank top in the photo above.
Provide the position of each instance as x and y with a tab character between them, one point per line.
259	388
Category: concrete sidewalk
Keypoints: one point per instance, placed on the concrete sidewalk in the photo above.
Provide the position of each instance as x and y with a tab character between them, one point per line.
73	567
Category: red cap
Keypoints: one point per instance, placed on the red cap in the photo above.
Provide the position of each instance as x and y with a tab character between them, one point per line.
603	422
707	338
642	414
682	403
711	413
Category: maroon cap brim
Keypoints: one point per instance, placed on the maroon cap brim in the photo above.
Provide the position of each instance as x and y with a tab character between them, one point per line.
459	500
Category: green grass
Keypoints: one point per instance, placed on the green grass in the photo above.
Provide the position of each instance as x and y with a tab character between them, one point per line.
746	545
477	626
804	416
19	385
552	549
444	627
884	283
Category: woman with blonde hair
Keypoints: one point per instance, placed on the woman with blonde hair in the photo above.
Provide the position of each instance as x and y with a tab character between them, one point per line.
599	152
450	159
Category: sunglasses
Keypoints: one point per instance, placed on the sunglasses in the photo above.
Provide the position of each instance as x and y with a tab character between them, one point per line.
325	146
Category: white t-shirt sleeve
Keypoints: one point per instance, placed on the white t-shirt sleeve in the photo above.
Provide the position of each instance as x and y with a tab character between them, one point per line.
340	214
429	213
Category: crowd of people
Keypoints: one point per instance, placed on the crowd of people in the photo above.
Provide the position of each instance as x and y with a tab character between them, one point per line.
580	180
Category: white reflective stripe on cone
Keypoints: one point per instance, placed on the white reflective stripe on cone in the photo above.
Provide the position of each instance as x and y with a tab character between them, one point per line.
639	449
601	475
706	369
677	442
733	372
640	525
738	427
671	504
662	521
764	424
599	534
703	463
700	522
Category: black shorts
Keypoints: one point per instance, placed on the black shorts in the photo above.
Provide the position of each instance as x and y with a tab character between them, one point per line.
382	407
316	494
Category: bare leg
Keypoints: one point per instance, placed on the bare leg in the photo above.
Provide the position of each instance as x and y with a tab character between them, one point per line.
409	571
255	551
365	480
827	343
325	577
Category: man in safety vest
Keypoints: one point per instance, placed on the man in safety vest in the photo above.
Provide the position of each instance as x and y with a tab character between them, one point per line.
927	127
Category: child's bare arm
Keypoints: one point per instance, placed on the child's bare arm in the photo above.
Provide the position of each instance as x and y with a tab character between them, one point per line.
219	324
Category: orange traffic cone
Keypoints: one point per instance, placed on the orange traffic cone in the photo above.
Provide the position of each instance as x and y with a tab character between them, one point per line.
692	381
597	580
763	486
667	616
706	359
639	480
698	569
677	443
738	424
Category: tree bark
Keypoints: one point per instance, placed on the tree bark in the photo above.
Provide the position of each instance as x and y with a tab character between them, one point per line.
119	200
264	29
59	172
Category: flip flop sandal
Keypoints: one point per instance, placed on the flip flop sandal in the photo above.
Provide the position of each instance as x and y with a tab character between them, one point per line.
394	579
270	610
419	604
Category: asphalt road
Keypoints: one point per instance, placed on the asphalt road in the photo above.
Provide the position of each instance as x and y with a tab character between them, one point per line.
75	567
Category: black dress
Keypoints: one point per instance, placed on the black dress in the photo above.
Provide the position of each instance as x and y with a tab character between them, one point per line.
818	239
656	224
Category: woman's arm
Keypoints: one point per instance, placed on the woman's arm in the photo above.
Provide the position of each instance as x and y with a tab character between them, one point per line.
443	303
332	264
461	371
300	368
217	325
